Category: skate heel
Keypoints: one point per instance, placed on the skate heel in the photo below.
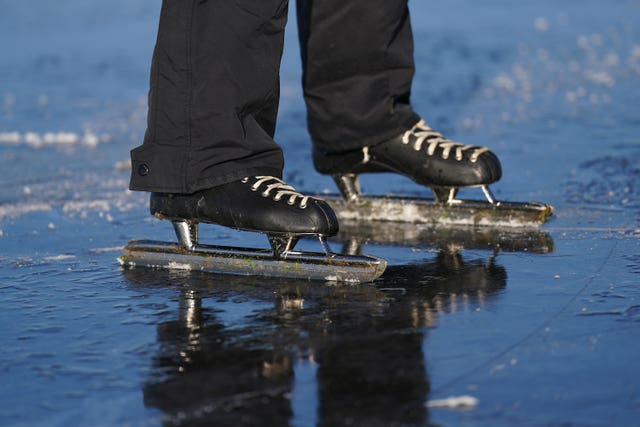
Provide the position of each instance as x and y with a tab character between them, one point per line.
445	195
282	244
187	233
349	186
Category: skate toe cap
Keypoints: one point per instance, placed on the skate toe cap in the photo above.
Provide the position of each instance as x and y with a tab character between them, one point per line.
488	168
467	172
323	218
316	217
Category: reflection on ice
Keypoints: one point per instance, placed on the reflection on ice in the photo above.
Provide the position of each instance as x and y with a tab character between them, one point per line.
366	343
354	235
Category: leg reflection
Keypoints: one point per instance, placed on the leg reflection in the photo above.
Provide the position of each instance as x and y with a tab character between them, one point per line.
203	377
371	362
372	378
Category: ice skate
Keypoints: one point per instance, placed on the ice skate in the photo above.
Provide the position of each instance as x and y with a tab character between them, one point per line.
429	159
262	204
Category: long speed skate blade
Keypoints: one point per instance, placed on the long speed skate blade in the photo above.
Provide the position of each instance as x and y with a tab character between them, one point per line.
427	211
253	262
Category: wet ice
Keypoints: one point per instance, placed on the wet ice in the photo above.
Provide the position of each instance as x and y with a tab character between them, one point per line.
551	87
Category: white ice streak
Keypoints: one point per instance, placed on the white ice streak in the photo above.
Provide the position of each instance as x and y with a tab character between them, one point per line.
15	210
113	201
61	257
10	137
106	250
83	207
52	139
454	402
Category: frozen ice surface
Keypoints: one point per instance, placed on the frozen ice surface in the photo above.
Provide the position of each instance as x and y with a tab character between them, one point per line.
544	331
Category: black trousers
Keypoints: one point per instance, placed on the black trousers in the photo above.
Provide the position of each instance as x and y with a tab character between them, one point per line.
214	86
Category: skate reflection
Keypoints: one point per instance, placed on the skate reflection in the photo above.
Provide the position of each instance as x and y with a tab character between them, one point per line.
365	344
354	235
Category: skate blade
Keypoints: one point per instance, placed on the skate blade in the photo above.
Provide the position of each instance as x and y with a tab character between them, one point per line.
253	262
476	213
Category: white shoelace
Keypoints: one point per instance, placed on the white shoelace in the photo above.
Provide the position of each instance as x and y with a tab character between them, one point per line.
423	133
281	190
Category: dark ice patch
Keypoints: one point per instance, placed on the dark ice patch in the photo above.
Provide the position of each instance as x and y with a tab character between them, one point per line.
610	180
634	263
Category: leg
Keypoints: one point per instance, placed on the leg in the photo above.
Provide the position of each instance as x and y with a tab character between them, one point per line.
208	153
213	97
358	66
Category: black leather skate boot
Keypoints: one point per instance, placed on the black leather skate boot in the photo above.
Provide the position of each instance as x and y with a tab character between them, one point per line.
422	155
262	203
